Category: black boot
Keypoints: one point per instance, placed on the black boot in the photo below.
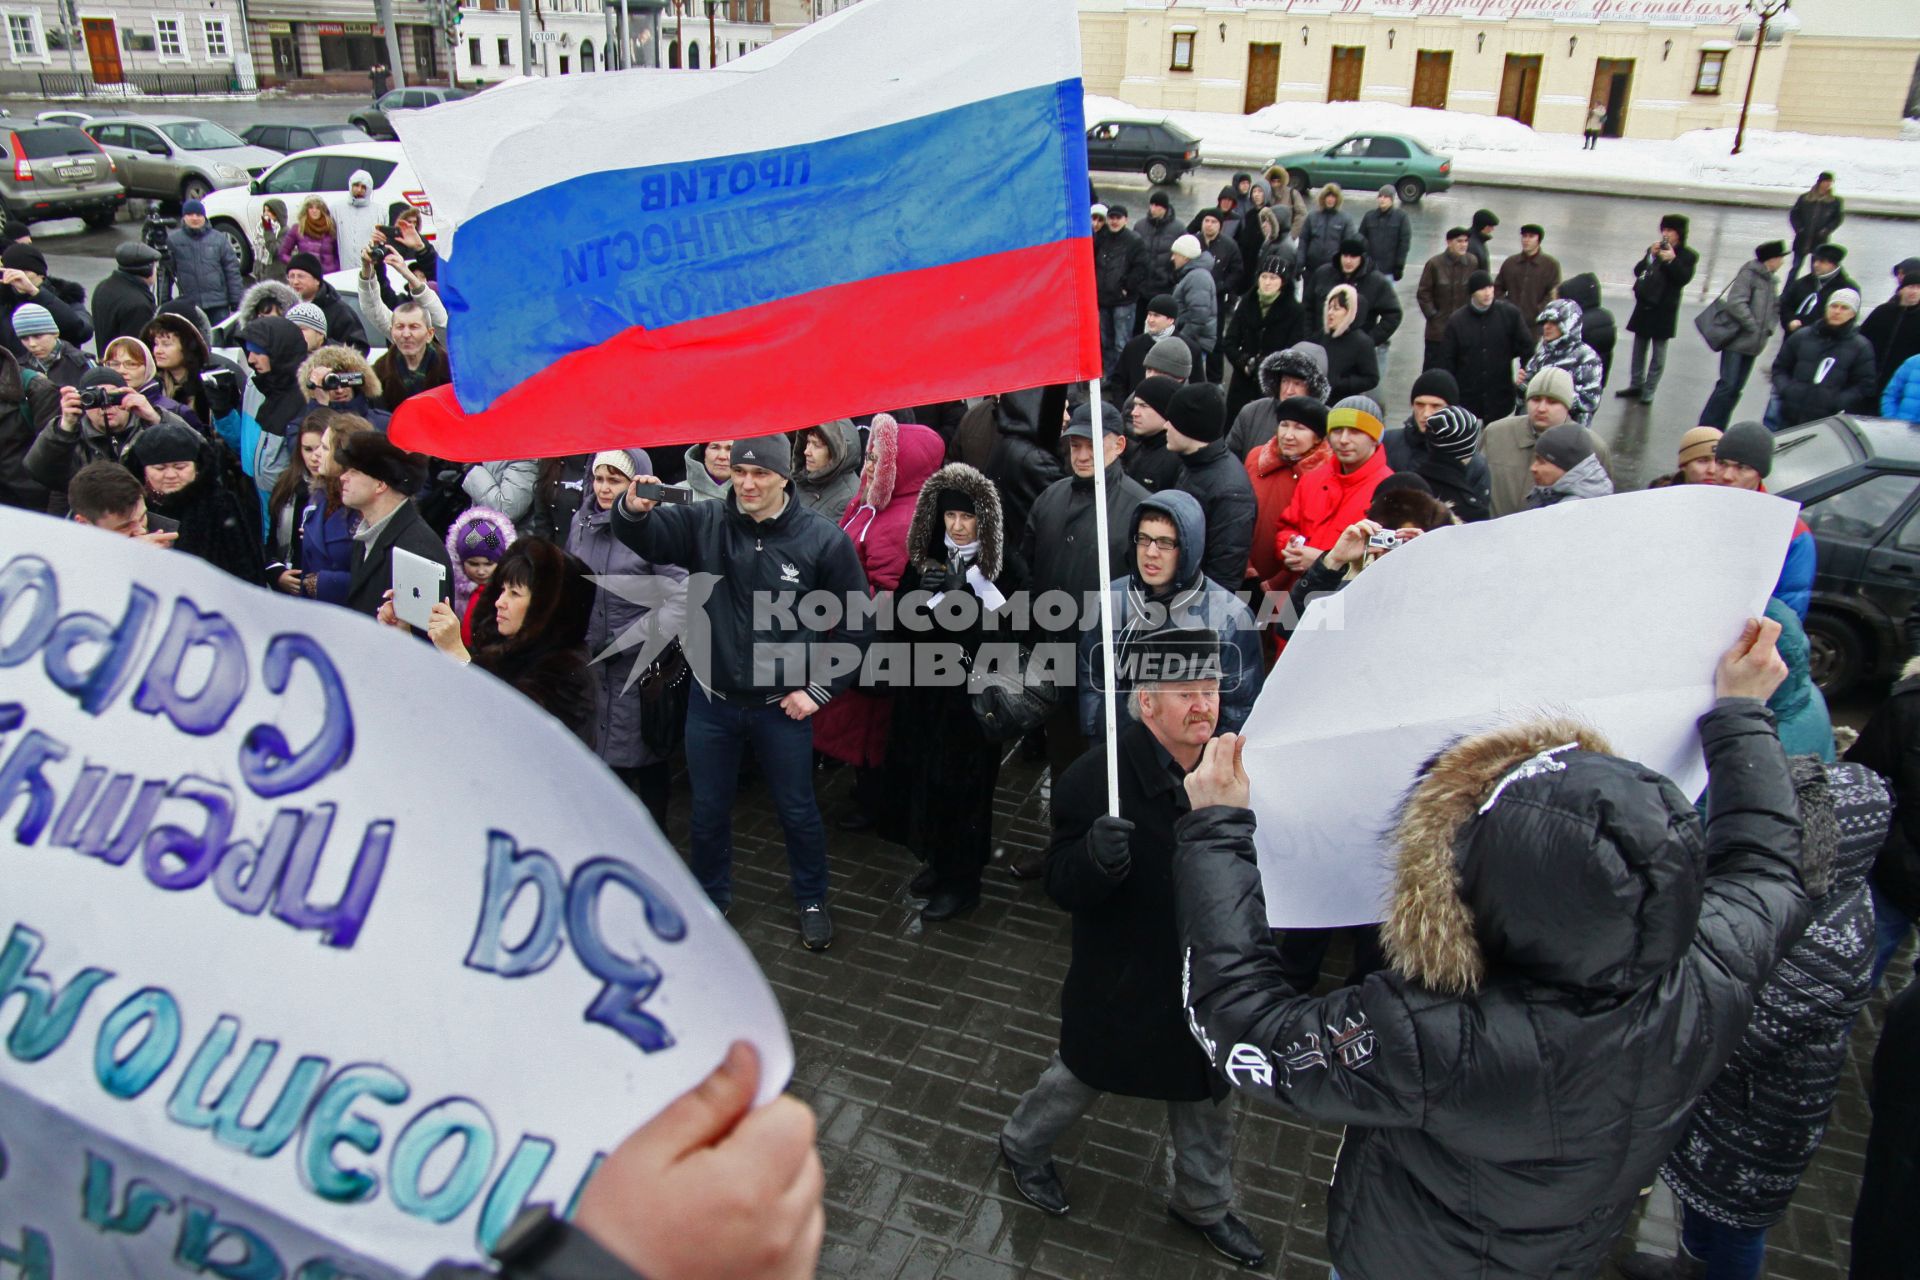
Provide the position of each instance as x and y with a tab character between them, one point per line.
1039	1183
948	902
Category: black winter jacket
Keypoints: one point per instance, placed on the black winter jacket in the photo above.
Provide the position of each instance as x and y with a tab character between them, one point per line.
1570	969
343	322
797	551
1479	348
1158	237
1380	311
1805	299
1389	235
64	301
29	402
1229	267
1353	368
1061	548
1883	1221
1120	267
1821	371
1020	467
57	453
1657	289
1254	333
1468	490
1151	464
1894	333
1890	746
1218	481
1596	322
122	305
1122	1028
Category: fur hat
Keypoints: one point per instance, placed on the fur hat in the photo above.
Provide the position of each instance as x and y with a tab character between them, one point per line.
1306	361
1353	247
1396	508
166	441
1676	222
372	454
1834	253
1769	249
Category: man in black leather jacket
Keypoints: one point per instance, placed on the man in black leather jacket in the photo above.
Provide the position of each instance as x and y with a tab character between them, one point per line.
1572	964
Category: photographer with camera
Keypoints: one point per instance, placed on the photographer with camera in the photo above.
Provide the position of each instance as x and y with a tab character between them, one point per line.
340	379
100	420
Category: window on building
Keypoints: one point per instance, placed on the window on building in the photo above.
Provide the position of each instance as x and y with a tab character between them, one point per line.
1713	67
215	31
23	38
473	51
171	39
506	52
351	53
1182	51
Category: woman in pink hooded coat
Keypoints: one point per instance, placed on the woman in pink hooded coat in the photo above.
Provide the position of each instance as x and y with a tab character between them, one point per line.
853	727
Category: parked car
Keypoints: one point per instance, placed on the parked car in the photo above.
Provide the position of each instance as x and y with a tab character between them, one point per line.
57	171
1858	483
374	118
78	119
1371	160
178	157
1162	151
325	170
289	138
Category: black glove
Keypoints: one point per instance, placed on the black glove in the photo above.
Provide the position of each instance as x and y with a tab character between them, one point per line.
936	579
1108	840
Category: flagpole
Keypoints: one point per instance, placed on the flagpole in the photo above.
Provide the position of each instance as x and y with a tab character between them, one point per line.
1113	709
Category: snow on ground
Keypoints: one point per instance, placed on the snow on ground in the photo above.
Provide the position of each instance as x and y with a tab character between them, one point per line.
1495	147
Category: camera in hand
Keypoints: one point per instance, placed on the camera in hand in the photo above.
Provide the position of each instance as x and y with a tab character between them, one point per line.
1383	540
101	397
669	493
336	381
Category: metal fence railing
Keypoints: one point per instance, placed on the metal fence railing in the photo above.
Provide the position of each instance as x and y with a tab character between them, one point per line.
136	84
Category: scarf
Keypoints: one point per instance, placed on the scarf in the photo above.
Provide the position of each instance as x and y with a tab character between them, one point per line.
981	585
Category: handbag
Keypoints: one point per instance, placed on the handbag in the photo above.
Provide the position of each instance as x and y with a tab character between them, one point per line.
1717	323
664	689
1005	703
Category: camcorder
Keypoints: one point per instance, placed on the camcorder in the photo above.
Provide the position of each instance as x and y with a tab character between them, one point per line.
336	381
101	397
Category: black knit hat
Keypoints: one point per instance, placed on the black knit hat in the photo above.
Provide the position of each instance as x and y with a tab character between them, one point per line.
24	257
1158	393
1162	199
1212	211
1479	280
1438	383
1353	247
1162	304
372	454
1199	412
101	376
308	263
164	442
1749	444
1306	411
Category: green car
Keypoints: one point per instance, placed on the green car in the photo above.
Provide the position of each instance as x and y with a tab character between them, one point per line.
1369	161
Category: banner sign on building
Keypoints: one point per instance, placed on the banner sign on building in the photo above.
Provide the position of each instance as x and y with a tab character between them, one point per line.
320	954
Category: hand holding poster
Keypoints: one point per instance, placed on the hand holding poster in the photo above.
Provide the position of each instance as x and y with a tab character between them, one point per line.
1584	609
319	950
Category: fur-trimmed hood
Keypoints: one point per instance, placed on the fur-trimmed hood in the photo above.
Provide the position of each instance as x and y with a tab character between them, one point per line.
341	360
1306	361
923	535
267	291
1533	851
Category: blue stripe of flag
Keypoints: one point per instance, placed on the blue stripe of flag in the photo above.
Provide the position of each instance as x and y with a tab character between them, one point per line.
572	265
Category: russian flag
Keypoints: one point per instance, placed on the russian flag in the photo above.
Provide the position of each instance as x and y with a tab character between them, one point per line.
887	208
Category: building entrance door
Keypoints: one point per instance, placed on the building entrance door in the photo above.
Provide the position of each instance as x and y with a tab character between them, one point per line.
1520	87
1263	76
1612	78
103	49
1432	69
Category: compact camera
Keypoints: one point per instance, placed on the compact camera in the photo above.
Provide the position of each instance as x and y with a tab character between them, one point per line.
1383	540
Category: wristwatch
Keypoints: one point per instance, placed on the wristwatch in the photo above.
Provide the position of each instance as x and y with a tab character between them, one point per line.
539	1246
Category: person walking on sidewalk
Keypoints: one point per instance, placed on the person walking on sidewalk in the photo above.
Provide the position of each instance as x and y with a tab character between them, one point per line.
1815	216
763	544
1122	1026
1659	279
1753	299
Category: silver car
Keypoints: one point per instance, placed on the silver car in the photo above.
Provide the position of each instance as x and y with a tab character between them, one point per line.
178	157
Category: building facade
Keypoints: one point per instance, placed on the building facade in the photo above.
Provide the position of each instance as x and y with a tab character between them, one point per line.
321	46
56	49
1660	67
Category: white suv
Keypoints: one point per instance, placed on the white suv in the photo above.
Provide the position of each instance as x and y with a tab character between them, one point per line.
235	211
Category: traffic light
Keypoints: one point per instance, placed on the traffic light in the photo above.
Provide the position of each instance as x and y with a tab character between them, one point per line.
450	16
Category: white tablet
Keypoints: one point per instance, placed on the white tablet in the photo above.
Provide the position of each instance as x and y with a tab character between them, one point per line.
416	587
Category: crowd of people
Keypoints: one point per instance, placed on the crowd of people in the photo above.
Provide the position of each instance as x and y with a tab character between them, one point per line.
1248	468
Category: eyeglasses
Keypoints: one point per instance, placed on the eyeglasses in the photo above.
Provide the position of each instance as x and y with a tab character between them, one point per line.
1148	540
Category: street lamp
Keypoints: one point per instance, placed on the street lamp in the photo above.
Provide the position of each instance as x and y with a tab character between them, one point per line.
1766	11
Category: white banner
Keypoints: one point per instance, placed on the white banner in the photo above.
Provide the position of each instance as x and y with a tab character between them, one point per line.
344	951
1613	610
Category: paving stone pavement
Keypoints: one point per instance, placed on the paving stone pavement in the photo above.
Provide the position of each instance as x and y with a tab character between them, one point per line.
913	1045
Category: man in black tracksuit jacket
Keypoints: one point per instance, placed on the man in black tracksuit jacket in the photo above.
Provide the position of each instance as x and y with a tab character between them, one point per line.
762	675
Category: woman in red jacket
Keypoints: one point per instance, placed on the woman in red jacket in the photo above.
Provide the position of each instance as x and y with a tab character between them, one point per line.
1326	501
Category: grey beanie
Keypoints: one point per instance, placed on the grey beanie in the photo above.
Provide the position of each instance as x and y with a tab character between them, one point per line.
30	318
1386	190
1565	446
1749	444
1172	357
308	316
771	453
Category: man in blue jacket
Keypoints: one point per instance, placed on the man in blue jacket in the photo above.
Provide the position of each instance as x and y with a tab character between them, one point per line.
768	553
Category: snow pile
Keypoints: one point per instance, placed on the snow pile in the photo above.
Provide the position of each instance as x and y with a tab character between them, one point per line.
1486	146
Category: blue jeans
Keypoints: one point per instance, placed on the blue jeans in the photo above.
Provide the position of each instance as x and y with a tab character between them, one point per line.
1890	928
1116	331
716	731
1731	1253
1735	369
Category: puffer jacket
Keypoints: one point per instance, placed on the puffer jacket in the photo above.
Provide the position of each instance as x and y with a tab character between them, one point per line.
1191	600
1218	482
1759	1123
1378	314
1586	479
205	270
1119	267
1569	351
1753	298
1821	371
1890	746
1253	425
1571	964
1798	706
1197	303
1901	399
1274	479
617	738
1389	234
1158	236
1324	229
1328	499
1062	548
830	490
